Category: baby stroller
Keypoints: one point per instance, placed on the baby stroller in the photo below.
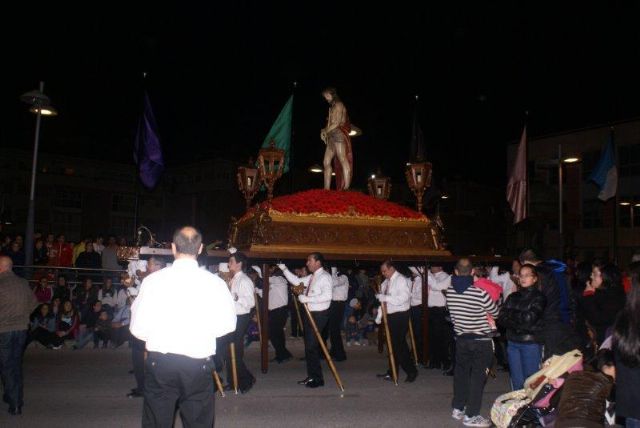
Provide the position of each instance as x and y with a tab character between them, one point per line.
532	406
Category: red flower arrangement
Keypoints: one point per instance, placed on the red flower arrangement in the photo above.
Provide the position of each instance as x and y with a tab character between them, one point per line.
340	204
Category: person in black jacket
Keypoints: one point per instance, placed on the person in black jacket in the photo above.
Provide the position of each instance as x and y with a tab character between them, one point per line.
521	315
602	299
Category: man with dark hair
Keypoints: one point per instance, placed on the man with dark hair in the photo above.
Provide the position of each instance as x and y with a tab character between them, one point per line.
395	293
317	294
243	293
16	304
557	333
469	307
180	347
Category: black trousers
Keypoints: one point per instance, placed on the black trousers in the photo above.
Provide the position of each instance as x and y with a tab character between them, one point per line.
277	320
311	346
137	359
416	323
398	327
473	359
332	330
245	378
296	329
176	380
439	336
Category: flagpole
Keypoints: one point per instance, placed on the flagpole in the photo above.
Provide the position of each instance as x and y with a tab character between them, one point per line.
291	178
615	252
137	179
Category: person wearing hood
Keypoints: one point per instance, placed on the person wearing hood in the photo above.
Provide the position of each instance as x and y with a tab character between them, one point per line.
469	307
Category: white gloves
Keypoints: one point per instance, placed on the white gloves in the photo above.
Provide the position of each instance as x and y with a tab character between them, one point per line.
382	297
232	250
414	270
303	299
379	316
282	266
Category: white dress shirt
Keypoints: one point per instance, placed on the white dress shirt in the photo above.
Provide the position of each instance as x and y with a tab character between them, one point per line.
319	293
416	291
278	292
398	292
504	280
340	287
437	284
182	310
242	291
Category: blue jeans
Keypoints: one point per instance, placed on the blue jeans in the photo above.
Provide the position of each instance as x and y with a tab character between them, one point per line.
524	360
11	350
84	338
632	423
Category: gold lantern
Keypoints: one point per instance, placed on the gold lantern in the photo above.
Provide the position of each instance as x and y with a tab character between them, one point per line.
379	186
418	176
248	182
270	166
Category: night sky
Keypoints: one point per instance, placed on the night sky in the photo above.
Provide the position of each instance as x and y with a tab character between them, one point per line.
219	74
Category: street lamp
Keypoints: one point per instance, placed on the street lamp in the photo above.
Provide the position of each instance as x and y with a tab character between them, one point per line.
418	175
248	183
379	186
40	105
271	166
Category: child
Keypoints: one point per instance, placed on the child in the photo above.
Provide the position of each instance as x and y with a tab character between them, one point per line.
481	280
102	331
353	331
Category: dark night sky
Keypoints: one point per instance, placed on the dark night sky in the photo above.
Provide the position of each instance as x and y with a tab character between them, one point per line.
219	75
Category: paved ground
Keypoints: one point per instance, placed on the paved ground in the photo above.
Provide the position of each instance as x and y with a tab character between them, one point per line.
87	388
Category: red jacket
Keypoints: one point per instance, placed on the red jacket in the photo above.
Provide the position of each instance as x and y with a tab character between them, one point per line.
61	255
493	290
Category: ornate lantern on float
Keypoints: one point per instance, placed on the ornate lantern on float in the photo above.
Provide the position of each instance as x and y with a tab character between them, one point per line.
379	186
248	182
270	166
418	176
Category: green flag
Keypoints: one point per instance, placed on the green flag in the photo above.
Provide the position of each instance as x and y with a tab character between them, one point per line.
281	132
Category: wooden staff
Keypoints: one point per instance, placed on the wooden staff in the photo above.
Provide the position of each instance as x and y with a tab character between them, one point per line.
216	378
392	360
300	326
234	367
413	343
327	357
255	296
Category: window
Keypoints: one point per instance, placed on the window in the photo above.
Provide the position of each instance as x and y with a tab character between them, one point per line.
629	160
67	198
123	203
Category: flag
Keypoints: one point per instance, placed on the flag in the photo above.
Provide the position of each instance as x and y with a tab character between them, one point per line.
517	185
417	139
281	132
147	152
605	174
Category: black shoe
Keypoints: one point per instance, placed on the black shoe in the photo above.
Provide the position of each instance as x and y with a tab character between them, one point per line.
302	359
314	383
131	371
411	377
15	410
135	394
304	381
448	372
228	387
435	366
246	389
385	376
285	360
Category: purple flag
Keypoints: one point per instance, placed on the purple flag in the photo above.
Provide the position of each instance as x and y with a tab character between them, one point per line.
517	185
147	151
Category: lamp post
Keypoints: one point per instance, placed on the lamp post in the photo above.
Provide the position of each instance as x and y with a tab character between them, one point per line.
379	186
248	182
40	105
418	176
569	160
271	166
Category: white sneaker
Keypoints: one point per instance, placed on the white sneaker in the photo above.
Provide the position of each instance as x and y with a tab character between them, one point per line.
349	343
457	414
357	343
476	421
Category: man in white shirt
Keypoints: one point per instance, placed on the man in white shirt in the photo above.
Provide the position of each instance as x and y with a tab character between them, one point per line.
440	331
317	295
179	313
243	294
278	313
336	315
396	294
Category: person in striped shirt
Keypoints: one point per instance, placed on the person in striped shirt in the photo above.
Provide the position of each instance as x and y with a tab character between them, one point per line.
468	307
